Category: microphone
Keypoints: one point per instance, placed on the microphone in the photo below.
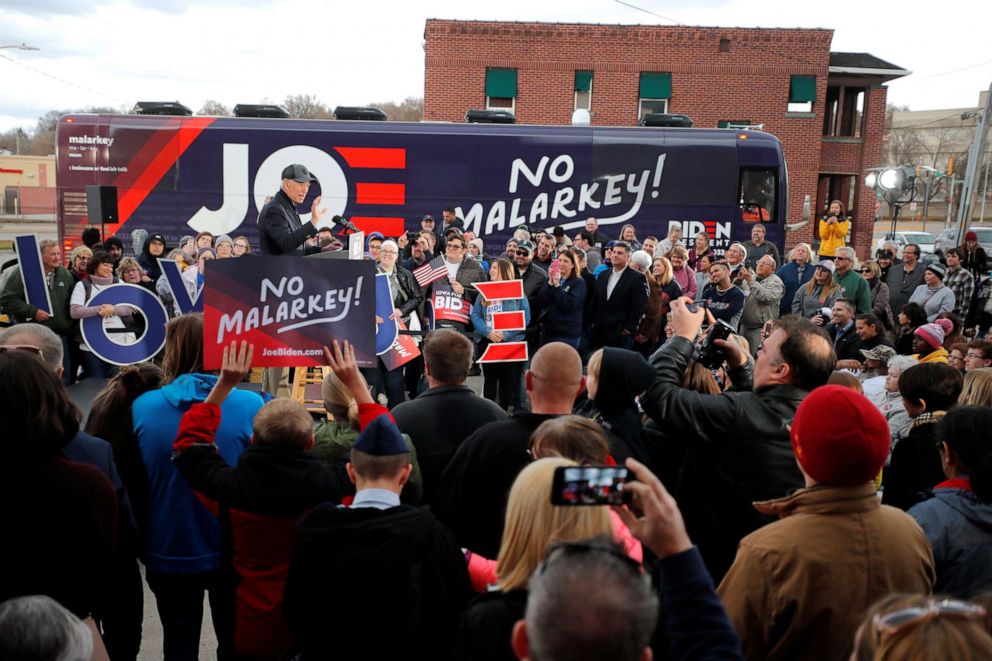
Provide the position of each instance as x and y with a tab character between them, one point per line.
345	223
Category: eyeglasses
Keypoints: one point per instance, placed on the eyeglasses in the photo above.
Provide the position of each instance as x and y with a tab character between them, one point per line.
562	548
972	354
30	348
865	271
523	253
842	259
449	246
904	618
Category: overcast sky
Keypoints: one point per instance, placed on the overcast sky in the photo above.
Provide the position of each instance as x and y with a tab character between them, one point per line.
106	52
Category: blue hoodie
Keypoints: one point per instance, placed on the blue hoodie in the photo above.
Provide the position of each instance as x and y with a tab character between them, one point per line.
183	535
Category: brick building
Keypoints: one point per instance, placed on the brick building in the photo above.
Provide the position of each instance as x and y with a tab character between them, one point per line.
827	109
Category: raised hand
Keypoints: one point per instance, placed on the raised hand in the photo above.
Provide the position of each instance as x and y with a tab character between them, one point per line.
235	365
340	356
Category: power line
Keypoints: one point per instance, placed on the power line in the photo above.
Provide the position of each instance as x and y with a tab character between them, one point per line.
933	121
944	73
648	11
62	80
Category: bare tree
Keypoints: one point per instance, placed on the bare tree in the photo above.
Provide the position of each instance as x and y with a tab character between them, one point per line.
306	106
16	141
214	108
411	109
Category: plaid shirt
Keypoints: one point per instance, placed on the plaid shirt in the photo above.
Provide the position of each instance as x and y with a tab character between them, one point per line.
962	283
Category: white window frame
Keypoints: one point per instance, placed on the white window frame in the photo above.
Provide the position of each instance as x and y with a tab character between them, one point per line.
641	111
512	107
587	96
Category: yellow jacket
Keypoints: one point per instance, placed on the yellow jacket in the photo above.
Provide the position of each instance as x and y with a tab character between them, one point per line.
832	236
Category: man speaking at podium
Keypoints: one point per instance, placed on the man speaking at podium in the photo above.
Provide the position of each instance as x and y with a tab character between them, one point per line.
281	230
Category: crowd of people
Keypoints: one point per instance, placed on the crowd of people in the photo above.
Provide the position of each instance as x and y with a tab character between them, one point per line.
817	483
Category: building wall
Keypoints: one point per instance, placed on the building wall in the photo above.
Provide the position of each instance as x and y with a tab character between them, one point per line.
33	177
750	82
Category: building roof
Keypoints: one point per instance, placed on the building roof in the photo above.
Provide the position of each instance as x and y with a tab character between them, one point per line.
865	64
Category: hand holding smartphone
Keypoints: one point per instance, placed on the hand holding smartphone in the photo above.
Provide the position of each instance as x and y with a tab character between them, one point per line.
589	485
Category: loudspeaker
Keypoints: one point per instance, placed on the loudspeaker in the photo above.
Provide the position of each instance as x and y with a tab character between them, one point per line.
101	204
354	112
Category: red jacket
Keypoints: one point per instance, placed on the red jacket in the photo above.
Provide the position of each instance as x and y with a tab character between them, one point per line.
264	496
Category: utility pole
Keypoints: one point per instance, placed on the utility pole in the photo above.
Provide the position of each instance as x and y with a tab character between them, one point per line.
974	160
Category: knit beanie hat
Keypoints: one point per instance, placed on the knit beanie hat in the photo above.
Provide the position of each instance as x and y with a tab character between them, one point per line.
934	333
937	270
839	437
971	236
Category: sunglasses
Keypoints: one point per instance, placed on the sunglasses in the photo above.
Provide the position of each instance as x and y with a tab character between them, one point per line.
523	253
30	348
865	271
904	618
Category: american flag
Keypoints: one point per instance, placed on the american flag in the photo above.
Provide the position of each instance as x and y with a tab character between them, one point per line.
430	272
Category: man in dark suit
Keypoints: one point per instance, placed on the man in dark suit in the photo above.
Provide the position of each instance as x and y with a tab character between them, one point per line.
281	230
621	297
843	330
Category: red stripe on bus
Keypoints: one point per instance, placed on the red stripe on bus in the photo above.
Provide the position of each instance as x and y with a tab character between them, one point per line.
373	157
367	193
387	226
137	190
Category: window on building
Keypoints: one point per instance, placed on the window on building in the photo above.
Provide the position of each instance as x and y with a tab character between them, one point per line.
802	93
654	91
757	195
843	111
501	89
733	123
583	90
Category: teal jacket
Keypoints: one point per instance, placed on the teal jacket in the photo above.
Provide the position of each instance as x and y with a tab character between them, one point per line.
333	443
14	303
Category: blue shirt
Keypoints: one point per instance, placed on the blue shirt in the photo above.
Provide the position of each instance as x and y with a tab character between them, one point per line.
380	499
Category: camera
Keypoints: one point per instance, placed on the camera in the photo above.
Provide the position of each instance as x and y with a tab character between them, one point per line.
589	485
707	353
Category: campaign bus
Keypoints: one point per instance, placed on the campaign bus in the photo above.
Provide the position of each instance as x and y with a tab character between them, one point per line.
183	175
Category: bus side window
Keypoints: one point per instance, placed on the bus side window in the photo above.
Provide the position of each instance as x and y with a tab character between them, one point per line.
757	195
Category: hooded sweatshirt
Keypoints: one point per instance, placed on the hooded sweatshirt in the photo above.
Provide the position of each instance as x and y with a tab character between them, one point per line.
148	261
367	582
623	375
959	526
183	535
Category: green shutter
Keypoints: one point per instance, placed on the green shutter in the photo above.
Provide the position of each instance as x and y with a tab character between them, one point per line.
656	85
802	89
725	123
501	83
583	81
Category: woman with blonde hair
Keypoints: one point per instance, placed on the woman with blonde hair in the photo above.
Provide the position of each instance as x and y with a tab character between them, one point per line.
820	292
335	435
794	273
683	273
977	388
532	526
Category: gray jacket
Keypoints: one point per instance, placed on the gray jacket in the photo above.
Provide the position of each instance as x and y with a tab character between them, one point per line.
934	301
762	301
808	305
959	527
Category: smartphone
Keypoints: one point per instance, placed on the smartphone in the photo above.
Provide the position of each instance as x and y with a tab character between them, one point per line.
555	267
589	485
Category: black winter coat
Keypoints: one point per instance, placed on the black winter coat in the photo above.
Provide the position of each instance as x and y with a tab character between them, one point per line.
437	422
280	229
738	450
477	481
375	584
